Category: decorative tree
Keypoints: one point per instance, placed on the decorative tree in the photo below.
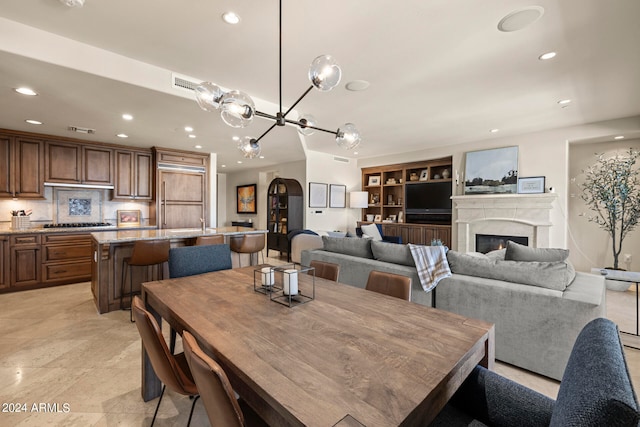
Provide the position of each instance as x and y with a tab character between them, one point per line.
612	190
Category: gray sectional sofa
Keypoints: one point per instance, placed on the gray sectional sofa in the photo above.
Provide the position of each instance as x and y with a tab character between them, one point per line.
538	307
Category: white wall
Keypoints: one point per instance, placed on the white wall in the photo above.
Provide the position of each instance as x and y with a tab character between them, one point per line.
262	177
589	244
323	168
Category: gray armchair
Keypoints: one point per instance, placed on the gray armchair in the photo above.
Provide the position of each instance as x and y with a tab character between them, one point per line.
595	390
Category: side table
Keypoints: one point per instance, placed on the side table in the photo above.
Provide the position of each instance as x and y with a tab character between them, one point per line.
630	277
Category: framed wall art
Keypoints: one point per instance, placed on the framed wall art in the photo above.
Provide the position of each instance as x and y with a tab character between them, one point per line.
128	218
337	196
317	195
491	171
531	185
246	199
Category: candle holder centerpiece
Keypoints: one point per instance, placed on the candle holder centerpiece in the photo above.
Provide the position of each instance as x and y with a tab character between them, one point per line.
293	285
264	279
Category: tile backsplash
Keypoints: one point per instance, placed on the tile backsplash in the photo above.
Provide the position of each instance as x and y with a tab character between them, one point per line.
55	205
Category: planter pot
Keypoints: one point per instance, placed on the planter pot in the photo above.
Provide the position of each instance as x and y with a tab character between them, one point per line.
612	285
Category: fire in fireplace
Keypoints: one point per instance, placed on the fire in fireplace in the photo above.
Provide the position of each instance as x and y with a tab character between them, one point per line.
491	242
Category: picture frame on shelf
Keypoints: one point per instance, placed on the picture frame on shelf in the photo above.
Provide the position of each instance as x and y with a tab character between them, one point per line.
317	195
424	175
377	218
374	180
531	185
337	196
128	218
246	198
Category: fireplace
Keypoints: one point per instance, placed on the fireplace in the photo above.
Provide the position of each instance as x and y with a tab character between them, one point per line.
491	242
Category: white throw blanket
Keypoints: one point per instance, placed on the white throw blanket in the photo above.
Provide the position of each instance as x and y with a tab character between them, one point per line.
431	263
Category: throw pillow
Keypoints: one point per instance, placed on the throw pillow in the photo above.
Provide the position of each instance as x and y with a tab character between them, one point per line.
392	252
372	231
354	246
517	252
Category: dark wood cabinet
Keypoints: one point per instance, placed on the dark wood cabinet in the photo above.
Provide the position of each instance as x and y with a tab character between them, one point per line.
284	212
21	167
418	234
181	190
4	262
133	176
71	163
66	258
25	260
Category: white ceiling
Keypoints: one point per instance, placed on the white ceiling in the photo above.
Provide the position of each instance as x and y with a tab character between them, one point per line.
440	71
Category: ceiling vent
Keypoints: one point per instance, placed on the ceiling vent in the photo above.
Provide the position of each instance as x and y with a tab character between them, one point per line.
81	130
185	83
340	159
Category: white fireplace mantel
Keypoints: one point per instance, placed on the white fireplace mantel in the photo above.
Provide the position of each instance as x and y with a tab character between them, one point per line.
527	215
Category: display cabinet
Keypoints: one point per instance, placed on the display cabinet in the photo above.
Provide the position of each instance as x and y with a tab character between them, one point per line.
284	212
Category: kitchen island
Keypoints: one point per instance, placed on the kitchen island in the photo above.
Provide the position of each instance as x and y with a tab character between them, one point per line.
109	248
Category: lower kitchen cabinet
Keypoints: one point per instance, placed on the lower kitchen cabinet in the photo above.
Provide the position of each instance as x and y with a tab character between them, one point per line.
4	262
66	258
25	260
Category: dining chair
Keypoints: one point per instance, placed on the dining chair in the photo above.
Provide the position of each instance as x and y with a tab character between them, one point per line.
218	397
172	370
248	244
145	253
394	285
216	239
326	270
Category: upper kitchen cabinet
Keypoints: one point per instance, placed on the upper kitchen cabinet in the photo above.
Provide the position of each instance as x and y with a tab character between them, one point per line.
21	167
69	163
134	175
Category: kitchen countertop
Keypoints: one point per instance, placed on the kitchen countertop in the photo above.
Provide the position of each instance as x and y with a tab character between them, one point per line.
120	236
40	229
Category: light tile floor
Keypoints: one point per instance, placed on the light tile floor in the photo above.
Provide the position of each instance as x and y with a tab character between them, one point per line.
56	350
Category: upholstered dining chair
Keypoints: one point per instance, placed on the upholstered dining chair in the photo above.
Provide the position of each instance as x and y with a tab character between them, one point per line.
394	285
247	244
216	239
172	370
145	253
326	270
217	394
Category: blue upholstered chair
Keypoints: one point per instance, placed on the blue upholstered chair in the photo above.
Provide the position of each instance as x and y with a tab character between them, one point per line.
595	390
191	260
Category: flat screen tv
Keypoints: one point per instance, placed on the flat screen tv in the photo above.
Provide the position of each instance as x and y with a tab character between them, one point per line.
428	198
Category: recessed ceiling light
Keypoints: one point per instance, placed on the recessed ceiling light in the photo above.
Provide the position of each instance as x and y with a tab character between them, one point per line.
197	146
122	135
188	129
236	138
547	55
619	137
520	19
564	101
26	91
223	166
239	162
127	116
192	135
261	157
494	130
230	18
33	122
355	152
357	85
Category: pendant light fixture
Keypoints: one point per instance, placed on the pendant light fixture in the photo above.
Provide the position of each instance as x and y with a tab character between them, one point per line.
237	109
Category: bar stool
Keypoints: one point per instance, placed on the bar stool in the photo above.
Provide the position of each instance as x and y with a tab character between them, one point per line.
248	244
145	253
216	239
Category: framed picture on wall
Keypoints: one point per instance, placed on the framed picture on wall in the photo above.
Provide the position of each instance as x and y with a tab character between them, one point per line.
246	198
337	196
128	218
317	195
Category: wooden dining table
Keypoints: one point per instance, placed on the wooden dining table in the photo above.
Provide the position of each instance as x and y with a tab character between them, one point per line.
347	357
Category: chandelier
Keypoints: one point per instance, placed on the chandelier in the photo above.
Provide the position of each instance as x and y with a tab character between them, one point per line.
237	109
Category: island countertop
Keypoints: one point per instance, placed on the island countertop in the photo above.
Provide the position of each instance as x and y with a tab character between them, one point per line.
122	236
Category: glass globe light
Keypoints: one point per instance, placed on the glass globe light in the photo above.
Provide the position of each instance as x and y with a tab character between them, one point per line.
237	108
348	137
325	73
208	96
249	147
307	119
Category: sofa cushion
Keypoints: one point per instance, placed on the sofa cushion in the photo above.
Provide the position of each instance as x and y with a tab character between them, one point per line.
372	231
348	245
551	275
392	252
517	252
